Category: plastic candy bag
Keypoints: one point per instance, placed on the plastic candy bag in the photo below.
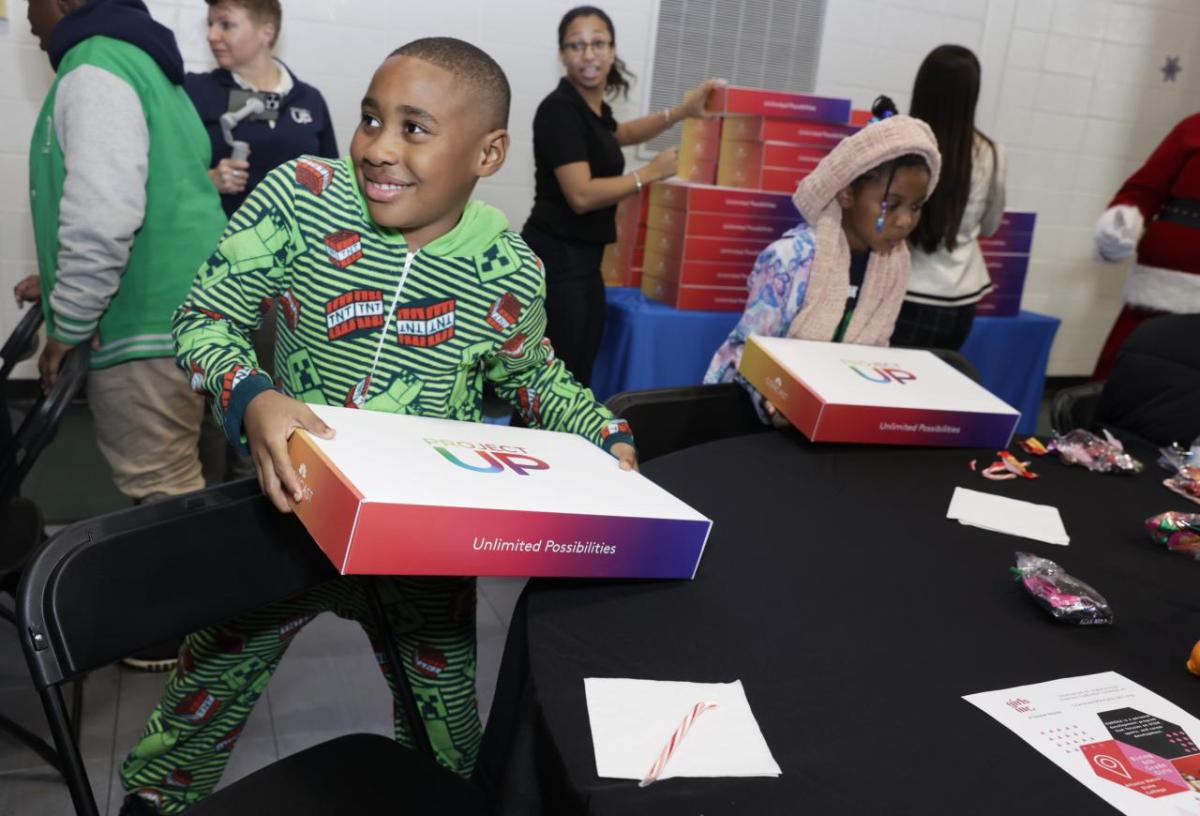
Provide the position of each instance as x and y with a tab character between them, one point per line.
1178	532
1080	447
1186	465
1066	598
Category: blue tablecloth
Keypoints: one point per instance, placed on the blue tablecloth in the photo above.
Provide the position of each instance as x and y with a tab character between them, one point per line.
649	345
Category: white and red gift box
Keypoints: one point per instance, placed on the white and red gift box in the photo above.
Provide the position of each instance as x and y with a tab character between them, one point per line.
406	495
731	100
841	392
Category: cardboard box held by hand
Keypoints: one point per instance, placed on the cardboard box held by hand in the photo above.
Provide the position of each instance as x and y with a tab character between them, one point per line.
402	495
838	392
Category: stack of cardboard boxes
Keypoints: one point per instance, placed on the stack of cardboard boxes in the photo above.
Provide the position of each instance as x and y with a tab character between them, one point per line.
1007	257
701	242
692	241
622	263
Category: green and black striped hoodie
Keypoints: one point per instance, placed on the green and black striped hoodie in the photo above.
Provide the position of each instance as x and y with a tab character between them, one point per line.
364	322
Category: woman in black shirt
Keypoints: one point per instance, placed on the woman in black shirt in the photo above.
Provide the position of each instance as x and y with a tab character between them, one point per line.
581	176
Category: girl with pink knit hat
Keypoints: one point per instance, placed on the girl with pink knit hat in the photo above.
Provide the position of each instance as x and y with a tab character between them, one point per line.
840	275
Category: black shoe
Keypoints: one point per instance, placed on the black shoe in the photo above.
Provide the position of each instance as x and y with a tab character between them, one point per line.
137	806
160	658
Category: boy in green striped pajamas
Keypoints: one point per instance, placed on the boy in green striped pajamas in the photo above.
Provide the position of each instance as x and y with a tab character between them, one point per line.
396	293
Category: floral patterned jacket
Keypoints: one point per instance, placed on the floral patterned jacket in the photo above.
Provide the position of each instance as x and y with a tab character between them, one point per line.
778	283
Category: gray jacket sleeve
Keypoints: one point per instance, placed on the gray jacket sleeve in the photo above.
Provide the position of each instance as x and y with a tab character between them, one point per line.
106	146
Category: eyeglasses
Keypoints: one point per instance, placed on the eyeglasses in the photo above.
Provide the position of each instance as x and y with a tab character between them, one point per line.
599	47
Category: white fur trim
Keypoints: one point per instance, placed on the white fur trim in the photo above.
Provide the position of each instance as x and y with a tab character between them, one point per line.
1165	290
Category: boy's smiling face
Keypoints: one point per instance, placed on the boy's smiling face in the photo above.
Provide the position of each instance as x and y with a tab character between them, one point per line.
422	143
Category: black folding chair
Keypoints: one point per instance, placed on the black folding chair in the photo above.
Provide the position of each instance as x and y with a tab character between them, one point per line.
21	344
104	588
1153	392
665	420
958	360
22	527
1075	407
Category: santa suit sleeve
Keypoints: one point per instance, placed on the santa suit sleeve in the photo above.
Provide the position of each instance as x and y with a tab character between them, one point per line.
1150	186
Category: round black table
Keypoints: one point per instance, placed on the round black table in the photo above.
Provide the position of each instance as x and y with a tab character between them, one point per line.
856	616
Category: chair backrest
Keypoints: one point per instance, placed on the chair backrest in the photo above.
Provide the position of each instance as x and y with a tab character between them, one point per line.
1075	407
1154	388
41	423
665	420
21	342
102	589
958	360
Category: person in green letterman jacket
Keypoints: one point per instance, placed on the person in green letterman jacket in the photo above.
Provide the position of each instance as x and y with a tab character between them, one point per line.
396	293
123	211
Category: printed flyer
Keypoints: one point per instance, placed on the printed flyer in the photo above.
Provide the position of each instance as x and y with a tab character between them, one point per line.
1133	748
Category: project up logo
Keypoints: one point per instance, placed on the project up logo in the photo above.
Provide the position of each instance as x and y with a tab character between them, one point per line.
487	457
882	373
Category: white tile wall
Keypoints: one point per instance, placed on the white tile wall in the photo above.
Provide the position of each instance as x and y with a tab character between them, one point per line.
1072	88
334	45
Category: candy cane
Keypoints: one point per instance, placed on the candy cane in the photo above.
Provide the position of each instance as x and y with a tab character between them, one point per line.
669	749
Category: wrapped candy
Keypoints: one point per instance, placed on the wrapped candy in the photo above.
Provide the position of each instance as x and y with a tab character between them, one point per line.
1034	446
1186	465
1186	483
1066	598
1177	457
1008	467
1080	447
1178	532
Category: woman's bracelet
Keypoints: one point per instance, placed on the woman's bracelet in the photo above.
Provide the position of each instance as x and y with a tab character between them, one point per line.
666	117
637	181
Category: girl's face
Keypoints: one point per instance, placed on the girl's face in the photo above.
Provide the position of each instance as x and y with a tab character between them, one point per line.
862	207
587	52
236	38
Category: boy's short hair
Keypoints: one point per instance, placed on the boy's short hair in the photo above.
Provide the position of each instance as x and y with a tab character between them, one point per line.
263	11
470	64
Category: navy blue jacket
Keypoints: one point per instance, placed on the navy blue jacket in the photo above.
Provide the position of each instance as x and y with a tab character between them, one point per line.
303	127
127	20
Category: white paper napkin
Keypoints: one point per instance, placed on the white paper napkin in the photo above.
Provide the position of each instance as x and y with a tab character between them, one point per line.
632	720
1000	514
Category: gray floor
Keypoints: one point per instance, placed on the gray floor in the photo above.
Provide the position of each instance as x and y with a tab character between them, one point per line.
328	684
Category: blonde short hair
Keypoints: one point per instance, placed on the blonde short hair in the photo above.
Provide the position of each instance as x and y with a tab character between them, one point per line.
263	11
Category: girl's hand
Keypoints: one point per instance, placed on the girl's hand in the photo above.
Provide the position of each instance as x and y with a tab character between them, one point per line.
695	99
778	420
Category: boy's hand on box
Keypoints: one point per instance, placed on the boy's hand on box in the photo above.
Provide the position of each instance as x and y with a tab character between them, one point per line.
269	422
626	454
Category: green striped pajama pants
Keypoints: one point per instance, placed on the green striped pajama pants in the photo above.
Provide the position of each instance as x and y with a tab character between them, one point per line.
223	670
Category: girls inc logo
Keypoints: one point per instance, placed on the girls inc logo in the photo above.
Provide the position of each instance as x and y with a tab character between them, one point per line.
882	373
487	457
